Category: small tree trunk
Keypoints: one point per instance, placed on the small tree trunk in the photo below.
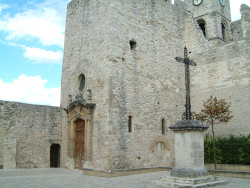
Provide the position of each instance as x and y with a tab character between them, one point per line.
214	145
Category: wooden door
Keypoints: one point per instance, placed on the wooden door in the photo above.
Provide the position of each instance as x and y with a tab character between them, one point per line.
79	143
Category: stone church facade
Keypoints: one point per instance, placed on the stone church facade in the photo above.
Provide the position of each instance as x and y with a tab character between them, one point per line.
122	87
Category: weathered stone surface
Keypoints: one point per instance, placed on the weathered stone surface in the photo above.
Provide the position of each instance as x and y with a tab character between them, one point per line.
207	181
9	153
26	133
189	149
142	81
188	125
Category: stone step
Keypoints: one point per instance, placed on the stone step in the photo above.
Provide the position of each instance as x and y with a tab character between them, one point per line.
211	184
192	181
180	185
174	182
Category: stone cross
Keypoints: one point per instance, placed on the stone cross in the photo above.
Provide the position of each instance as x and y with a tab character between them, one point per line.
188	114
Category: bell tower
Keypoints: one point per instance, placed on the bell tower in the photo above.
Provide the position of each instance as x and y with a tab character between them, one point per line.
213	17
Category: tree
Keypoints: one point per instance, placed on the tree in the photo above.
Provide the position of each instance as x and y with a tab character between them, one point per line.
215	111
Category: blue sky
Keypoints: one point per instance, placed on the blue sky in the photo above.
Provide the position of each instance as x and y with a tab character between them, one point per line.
31	49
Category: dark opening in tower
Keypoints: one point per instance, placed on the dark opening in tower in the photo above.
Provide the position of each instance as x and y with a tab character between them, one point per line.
202	25
223	30
163	126
129	123
132	44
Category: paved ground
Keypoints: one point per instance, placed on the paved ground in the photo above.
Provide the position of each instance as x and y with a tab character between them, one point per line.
60	178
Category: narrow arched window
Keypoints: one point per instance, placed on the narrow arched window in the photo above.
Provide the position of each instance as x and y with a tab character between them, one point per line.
81	82
223	30
163	126
202	25
130	124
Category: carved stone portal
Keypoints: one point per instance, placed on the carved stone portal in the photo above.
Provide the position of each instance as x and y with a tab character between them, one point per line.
80	133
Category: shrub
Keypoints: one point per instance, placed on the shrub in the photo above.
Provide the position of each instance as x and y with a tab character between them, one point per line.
230	150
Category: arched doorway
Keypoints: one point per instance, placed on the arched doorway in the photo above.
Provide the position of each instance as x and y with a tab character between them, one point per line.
79	143
55	155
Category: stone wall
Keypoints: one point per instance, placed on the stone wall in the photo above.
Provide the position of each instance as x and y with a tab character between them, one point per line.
144	83
26	133
86	52
223	71
236	32
9	151
126	50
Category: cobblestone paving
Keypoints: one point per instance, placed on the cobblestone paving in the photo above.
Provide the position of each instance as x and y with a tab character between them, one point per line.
60	178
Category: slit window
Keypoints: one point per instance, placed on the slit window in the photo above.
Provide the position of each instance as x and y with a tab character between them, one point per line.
223	31
130	124
163	126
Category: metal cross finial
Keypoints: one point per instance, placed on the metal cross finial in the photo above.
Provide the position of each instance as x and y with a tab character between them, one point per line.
187	115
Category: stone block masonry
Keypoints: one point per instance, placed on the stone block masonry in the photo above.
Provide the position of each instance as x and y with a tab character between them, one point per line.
121	54
9	151
26	133
223	71
126	50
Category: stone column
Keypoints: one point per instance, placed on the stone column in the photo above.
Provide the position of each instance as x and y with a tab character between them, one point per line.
189	149
9	153
189	170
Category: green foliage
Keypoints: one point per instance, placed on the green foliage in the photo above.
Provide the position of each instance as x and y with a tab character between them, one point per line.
230	150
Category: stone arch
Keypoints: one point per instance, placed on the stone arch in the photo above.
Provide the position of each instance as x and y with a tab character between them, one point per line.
224	30
202	25
161	152
159	139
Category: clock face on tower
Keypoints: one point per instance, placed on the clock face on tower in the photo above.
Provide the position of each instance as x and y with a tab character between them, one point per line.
223	2
197	2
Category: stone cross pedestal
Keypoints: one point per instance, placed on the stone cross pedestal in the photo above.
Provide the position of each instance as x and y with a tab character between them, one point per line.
189	149
189	170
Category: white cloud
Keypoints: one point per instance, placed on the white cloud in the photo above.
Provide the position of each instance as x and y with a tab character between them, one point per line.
235	8
30	89
3	7
13	44
38	55
43	23
43	56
